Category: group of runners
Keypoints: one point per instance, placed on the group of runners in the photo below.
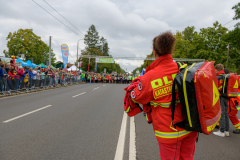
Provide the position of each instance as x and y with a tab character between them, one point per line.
93	77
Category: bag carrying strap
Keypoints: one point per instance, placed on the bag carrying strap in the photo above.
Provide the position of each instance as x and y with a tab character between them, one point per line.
229	104
181	66
220	76
173	106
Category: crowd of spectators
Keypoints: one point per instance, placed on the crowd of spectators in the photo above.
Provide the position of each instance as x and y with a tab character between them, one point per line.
14	78
93	77
24	78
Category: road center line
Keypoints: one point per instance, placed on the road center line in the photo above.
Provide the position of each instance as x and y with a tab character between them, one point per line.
132	145
79	94
95	88
26	114
121	139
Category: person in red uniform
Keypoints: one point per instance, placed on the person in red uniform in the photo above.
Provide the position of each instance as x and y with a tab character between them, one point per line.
13	62
154	89
224	120
232	113
233	109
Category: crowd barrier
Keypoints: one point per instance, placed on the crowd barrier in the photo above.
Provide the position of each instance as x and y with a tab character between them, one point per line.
16	84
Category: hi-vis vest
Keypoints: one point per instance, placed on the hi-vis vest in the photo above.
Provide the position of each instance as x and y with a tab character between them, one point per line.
155	87
230	85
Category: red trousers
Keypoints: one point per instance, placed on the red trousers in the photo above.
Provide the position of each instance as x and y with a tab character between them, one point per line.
232	113
183	150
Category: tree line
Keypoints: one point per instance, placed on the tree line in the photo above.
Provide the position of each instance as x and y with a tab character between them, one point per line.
211	43
25	42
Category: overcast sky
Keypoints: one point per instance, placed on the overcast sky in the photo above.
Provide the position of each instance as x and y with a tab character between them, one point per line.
128	25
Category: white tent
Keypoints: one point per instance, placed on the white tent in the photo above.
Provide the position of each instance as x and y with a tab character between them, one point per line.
73	68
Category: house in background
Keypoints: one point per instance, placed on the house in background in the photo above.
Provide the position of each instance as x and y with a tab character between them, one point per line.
60	65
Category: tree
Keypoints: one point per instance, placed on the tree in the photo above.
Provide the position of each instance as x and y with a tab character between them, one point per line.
91	38
237	11
233	38
25	42
85	61
98	47
210	43
104	46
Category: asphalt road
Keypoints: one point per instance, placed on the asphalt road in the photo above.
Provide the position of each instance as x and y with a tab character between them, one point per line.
87	122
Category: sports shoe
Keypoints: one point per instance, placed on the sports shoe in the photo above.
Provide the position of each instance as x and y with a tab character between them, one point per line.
237	131
219	133
226	133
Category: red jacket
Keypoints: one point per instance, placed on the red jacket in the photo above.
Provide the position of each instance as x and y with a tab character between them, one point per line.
12	75
233	101
19	73
155	87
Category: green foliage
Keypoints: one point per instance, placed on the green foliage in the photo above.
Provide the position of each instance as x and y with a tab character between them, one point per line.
114	67
98	47
237	11
210	43
145	64
91	38
24	41
104	46
89	51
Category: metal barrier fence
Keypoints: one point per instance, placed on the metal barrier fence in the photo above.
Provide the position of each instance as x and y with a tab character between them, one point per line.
16	84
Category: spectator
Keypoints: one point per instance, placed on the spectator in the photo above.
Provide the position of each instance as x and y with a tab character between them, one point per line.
1	76
26	80
18	78
10	81
43	78
7	67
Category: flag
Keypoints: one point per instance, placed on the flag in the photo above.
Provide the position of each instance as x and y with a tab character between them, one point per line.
65	54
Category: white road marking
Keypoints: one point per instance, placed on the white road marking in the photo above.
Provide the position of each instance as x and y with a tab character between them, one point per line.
104	85
26	114
79	94
121	139
95	88
132	145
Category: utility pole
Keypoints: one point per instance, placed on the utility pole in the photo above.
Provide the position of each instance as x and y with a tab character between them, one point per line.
77	53
228	55
49	51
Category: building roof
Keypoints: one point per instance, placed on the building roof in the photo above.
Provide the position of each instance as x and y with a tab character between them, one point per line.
69	65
